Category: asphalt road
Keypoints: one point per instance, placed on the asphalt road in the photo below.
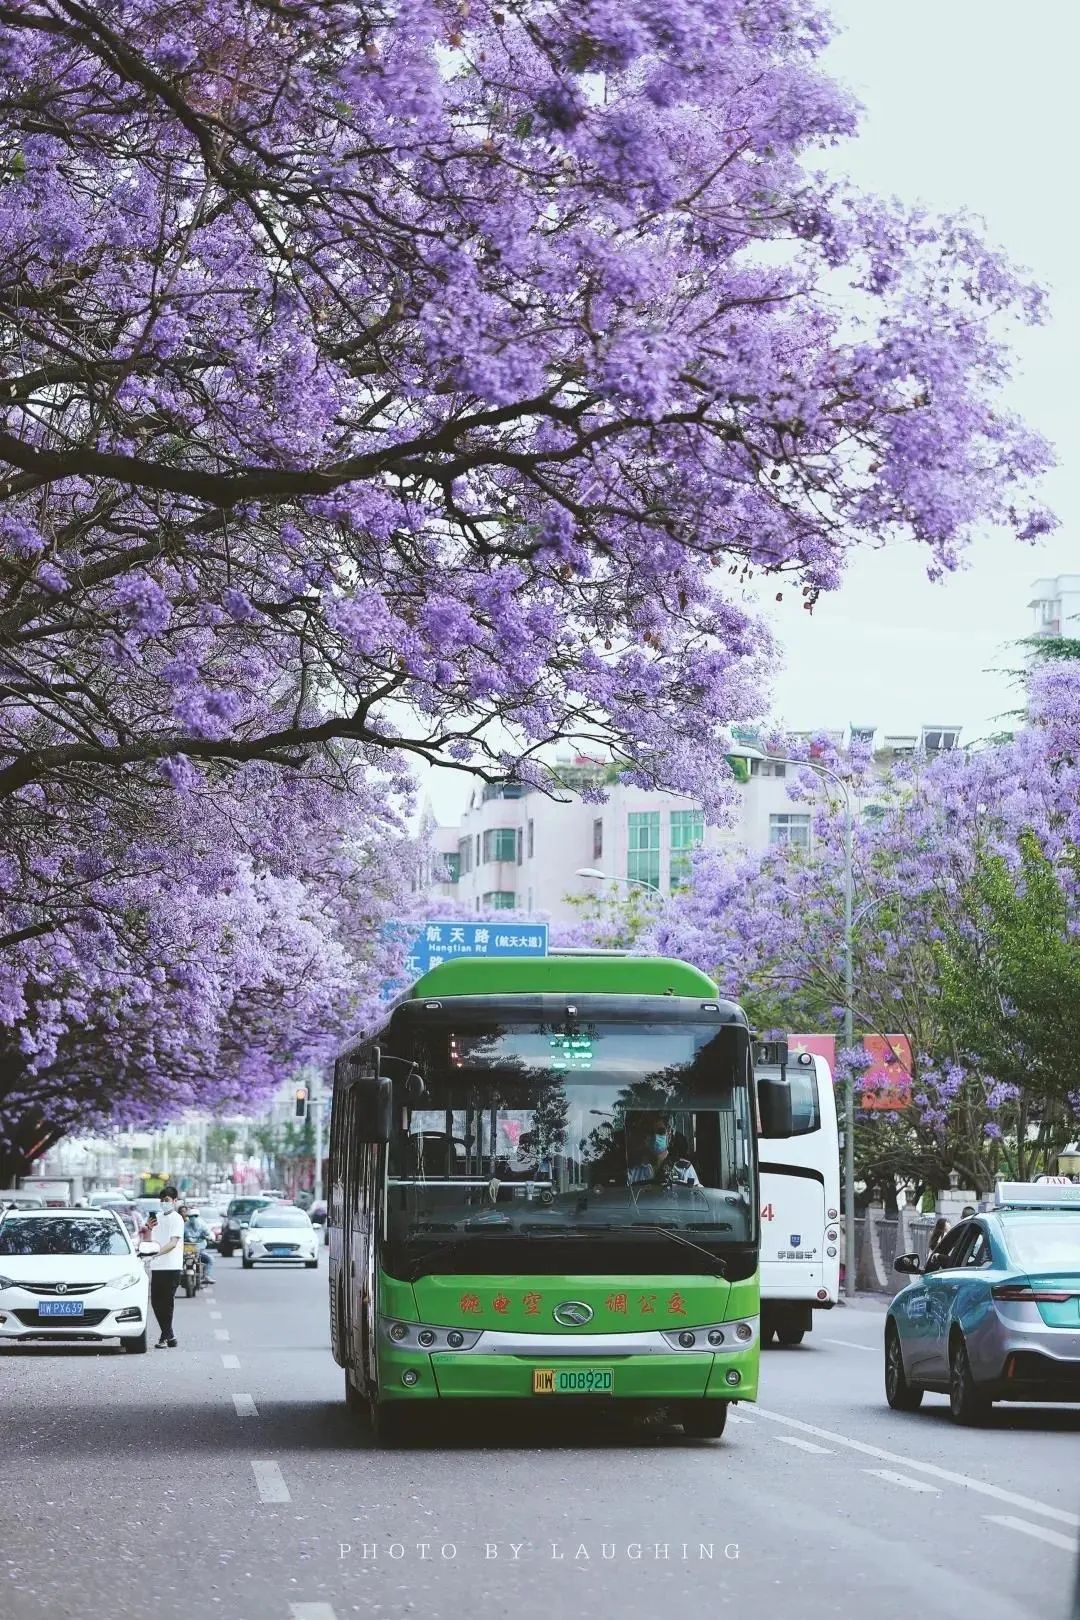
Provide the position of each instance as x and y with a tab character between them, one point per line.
224	1479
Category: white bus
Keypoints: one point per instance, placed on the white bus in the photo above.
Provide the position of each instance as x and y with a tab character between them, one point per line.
801	1234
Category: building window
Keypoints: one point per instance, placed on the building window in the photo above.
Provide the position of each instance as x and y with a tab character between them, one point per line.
687	834
791	829
451	868
597	840
500	844
500	900
520	846
464	856
643	845
478	849
532	840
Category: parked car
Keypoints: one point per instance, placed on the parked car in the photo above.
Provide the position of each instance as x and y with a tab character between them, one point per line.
72	1274
15	1198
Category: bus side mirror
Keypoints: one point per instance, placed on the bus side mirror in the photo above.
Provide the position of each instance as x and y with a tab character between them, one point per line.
374	1114
774	1107
374	1099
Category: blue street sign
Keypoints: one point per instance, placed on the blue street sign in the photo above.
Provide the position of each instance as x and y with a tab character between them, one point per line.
437	942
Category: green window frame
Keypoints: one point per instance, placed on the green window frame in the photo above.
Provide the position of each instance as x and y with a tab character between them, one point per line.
500	900
687	834
500	844
643	847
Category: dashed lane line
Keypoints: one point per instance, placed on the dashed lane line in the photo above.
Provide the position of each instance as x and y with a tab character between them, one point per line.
803	1445
215	1316
222	1335
230	1363
245	1406
270	1482
1012	1498
1068	1544
312	1611
905	1480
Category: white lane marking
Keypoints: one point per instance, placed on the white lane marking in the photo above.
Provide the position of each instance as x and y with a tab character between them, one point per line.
1066	1543
245	1406
312	1611
905	1480
270	1482
231	1363
849	1344
215	1316
222	1335
1013	1498
803	1445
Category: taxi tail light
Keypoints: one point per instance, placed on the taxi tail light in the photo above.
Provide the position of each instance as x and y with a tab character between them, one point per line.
1024	1294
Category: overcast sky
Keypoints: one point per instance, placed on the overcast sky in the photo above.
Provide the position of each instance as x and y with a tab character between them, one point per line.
967	103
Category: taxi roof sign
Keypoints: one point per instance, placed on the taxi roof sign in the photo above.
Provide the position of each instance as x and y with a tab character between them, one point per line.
1036	1195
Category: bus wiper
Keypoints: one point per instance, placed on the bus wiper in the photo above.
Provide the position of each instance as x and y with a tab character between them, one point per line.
718	1265
542	1229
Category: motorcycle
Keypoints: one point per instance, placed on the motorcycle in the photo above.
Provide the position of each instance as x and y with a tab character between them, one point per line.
193	1274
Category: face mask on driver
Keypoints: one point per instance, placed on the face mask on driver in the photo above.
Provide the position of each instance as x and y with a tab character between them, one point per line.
660	1142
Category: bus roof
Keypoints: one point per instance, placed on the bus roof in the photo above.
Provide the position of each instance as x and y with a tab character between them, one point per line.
559	975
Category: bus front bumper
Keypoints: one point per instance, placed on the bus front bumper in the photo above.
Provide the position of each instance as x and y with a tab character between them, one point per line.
464	1375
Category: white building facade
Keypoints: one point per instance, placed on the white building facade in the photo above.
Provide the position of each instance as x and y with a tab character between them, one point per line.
1055	605
517	848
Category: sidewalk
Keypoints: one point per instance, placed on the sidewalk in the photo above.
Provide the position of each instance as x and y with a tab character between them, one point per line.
866	1302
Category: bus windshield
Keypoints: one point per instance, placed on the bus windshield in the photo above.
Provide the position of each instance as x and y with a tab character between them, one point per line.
602	1131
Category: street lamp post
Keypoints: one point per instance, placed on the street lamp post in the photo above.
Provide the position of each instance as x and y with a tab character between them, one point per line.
747	751
595	873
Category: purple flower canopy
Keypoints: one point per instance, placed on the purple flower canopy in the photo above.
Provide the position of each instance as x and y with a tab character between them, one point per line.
408	382
771	925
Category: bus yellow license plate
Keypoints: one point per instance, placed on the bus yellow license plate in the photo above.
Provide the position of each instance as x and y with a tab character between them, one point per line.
573	1381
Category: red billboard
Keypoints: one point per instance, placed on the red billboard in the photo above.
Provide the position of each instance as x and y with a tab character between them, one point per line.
886	1084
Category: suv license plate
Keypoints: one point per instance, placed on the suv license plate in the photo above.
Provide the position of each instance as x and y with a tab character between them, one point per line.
61	1307
573	1381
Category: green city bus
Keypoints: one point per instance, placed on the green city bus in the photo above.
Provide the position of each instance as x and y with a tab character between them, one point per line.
544	1184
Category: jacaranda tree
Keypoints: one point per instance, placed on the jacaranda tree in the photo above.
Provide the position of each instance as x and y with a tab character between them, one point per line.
417	379
965	941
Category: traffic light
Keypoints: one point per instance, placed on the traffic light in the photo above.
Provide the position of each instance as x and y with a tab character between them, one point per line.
301	1102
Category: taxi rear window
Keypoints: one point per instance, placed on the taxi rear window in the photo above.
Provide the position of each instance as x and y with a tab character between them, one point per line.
1044	1242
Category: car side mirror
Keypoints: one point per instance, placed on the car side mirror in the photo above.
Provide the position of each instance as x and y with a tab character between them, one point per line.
774	1106
146	1251
908	1264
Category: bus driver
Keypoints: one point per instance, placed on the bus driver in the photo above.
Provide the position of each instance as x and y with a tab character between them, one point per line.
656	1158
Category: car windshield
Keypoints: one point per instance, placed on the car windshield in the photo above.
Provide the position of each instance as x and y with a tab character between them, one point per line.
244	1206
284	1216
1044	1242
28	1236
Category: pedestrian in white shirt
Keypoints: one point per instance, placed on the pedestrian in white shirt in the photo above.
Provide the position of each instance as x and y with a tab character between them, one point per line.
167	1264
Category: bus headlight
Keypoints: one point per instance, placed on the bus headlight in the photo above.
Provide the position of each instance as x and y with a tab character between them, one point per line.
424	1336
715	1336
